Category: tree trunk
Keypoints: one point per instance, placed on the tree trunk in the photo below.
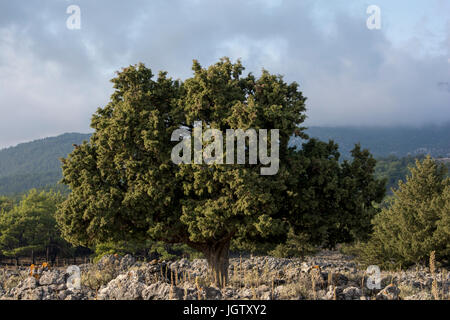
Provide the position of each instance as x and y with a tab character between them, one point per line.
217	257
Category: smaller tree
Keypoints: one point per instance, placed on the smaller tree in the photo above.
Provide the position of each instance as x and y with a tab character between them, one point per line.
416	222
30	227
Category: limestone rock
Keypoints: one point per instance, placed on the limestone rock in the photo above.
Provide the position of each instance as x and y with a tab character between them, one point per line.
162	291
127	286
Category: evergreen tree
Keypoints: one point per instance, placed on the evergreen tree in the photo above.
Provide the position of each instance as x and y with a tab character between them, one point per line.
417	220
126	187
29	228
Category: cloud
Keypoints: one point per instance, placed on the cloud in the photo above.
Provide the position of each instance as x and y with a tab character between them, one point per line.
52	79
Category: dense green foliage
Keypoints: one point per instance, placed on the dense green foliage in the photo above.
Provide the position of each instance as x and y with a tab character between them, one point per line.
416	222
331	201
29	227
35	164
126	188
6	203
325	202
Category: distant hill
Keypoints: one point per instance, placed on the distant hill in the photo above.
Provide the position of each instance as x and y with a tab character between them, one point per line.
35	164
384	142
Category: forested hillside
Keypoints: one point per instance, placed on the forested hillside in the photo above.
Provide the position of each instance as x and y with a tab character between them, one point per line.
383	142
394	169
35	164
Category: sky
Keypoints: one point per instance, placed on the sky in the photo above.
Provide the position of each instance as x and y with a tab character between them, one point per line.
53	78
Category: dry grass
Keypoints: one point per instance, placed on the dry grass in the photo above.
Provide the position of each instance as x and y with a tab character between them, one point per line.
434	286
95	277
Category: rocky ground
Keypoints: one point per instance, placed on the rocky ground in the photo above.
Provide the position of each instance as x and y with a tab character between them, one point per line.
328	275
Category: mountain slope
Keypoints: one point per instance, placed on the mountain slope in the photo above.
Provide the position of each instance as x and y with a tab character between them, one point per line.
383	142
35	164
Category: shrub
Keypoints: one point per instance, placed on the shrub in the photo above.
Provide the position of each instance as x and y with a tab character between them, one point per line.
296	245
99	275
172	251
